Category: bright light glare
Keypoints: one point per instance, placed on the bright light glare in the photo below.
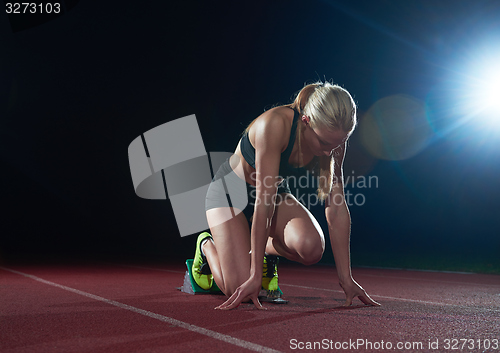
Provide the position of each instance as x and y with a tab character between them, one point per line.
492	93
465	106
479	98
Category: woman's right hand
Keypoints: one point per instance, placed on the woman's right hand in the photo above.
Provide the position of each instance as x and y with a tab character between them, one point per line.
247	291
352	290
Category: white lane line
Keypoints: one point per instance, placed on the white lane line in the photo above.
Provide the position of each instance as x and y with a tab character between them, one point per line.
203	331
431	280
416	270
148	268
357	274
372	295
386	297
318	270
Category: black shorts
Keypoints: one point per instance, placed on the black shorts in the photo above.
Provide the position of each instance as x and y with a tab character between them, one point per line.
228	190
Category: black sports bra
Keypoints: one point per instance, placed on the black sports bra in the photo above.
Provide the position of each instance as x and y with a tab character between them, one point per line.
248	151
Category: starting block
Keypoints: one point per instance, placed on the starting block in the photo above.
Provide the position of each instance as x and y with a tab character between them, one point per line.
191	287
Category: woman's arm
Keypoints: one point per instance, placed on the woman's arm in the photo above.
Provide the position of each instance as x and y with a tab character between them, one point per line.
339	228
270	133
268	147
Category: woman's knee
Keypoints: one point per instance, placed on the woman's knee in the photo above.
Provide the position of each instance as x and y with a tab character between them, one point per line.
309	247
312	254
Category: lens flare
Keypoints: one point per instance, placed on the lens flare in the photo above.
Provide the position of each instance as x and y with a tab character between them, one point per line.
395	128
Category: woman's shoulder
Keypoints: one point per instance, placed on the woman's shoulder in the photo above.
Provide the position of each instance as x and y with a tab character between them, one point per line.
278	119
272	128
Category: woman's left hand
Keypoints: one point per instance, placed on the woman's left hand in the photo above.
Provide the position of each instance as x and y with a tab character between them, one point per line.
352	289
247	291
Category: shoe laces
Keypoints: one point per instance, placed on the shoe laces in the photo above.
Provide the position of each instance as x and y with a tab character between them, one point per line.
270	263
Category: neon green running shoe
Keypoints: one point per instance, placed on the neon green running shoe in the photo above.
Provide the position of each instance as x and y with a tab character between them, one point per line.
270	276
202	274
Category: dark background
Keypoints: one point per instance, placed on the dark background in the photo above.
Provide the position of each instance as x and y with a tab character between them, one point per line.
75	90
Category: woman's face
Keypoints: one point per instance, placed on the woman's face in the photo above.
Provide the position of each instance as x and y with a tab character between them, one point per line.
322	141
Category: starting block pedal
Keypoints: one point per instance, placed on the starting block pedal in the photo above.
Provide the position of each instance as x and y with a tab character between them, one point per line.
272	296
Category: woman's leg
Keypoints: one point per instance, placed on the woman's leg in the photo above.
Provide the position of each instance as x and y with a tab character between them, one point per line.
228	256
295	233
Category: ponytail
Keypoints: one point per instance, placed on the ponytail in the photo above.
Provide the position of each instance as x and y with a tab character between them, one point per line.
322	166
302	97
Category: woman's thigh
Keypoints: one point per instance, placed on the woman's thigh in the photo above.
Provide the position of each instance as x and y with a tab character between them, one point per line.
296	232
231	235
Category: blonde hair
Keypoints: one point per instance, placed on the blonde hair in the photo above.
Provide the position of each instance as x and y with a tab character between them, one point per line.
329	107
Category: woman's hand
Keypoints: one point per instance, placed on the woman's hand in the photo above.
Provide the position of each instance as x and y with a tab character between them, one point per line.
352	289
247	291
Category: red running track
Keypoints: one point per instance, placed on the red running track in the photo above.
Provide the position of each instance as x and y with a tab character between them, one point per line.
118	308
